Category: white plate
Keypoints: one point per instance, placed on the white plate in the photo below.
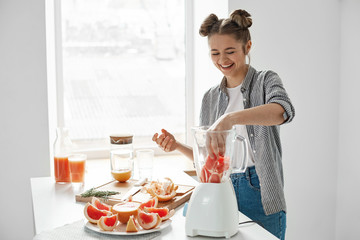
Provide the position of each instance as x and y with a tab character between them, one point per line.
121	229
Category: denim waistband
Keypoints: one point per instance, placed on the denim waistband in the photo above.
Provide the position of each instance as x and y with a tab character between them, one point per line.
247	174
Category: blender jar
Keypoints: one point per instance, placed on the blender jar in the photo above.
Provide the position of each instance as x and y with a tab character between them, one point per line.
218	153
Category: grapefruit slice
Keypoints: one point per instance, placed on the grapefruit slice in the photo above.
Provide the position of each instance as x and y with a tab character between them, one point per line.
131	225
100	205
153	202
148	220
167	197
93	214
214	178
164	213
108	223
125	210
214	168
163	190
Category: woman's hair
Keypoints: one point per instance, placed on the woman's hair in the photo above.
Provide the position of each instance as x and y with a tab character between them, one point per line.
236	25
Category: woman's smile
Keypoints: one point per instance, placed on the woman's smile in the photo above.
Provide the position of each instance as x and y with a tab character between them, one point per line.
228	56
226	67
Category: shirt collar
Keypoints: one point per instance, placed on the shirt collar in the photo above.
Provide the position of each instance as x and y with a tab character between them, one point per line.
245	83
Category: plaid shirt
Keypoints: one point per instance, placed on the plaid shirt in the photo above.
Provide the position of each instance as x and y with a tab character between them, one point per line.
258	88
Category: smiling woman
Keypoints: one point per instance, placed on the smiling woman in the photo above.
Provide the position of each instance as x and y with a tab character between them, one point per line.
253	102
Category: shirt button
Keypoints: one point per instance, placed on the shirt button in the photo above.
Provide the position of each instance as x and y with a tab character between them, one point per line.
251	135
244	99
254	151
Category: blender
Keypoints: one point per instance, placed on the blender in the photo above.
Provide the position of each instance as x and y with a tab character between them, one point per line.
212	209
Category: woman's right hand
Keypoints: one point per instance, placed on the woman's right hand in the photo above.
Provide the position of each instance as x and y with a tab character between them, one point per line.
166	141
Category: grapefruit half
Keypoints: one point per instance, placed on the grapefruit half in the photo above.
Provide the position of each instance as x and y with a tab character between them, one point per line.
125	210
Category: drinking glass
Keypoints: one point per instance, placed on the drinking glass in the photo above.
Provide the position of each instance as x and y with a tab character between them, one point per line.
145	159
77	163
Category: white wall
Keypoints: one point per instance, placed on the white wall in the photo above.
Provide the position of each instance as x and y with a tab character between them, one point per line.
348	198
24	147
300	41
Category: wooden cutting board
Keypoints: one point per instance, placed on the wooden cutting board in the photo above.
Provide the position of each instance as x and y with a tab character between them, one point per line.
183	194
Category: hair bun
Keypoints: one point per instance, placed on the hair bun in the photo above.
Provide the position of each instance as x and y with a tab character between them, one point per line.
241	18
208	23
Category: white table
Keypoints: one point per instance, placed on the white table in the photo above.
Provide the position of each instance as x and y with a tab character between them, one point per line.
54	205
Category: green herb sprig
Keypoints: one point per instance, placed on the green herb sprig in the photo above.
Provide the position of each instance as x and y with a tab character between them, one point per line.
92	192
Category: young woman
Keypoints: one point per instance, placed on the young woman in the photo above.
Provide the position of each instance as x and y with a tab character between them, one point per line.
256	103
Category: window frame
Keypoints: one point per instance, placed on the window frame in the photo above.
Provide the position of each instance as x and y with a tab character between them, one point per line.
102	152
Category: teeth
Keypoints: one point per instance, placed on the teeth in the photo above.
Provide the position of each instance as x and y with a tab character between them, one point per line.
226	66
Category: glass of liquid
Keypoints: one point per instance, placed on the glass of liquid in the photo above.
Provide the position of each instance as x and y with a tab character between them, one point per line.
122	164
145	158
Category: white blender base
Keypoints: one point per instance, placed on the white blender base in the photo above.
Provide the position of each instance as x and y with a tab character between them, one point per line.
212	211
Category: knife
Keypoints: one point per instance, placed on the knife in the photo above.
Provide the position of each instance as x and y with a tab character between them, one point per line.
136	188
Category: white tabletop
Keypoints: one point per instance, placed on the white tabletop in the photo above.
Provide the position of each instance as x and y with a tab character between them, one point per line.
54	205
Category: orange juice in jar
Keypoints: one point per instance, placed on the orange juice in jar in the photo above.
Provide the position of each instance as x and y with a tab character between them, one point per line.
121	157
62	148
122	175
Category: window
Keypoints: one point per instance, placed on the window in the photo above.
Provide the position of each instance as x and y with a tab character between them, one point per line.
123	69
127	66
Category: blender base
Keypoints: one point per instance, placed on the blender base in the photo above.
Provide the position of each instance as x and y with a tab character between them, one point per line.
212	211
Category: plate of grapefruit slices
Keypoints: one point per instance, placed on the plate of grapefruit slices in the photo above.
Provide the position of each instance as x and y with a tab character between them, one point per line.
120	229
127	218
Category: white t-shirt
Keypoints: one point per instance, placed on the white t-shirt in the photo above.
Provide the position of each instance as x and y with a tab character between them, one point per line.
236	103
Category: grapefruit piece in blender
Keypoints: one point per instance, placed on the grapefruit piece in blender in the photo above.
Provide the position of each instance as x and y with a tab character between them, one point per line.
153	202
205	174
125	210
215	178
222	164
100	205
148	220
93	214
108	223
210	162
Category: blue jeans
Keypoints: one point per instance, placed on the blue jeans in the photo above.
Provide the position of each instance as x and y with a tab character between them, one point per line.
247	190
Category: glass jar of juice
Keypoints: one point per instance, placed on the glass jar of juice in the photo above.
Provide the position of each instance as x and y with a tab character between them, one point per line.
121	156
62	149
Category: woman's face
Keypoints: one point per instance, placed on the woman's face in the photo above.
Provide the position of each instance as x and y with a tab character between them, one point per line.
227	55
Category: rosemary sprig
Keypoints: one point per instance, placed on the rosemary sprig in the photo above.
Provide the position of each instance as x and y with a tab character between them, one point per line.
92	192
